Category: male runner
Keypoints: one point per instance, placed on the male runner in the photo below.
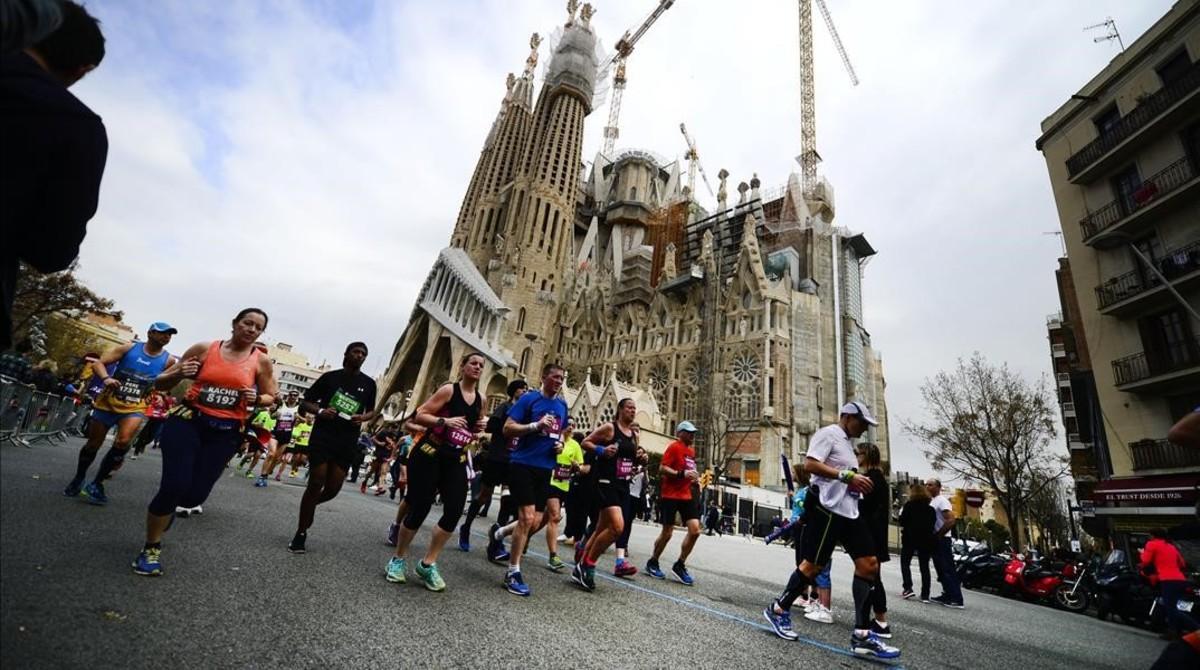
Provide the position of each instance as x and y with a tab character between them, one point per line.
122	403
300	436
567	464
342	400
495	469
263	424
538	419
831	517
285	416
157	406
384	443
677	475
255	439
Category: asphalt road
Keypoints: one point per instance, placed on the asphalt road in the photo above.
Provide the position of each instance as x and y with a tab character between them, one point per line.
232	596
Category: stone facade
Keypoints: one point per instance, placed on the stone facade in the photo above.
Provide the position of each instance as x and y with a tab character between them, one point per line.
747	321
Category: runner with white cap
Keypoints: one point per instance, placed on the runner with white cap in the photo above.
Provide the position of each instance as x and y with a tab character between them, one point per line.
831	516
677	475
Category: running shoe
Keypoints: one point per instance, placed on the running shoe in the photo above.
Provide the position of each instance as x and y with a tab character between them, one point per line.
196	510
625	569
133	457
250	473
429	576
679	571
579	547
292	474
926	600
653	569
881	630
73	489
148	563
380	492
820	614
396	571
954	604
182	512
555	563
585	577
940	600
261	482
516	584
95	493
276	477
495	549
296	546
393	534
363	489
464	538
871	645
780	623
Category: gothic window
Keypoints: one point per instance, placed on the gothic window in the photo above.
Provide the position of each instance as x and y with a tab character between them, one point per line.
608	413
659	378
623	374
633	193
747	299
697	375
745	368
521	320
525	356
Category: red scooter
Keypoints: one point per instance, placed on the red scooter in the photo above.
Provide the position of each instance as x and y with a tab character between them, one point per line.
1033	582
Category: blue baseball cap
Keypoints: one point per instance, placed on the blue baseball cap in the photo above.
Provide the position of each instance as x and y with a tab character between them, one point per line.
686	427
162	327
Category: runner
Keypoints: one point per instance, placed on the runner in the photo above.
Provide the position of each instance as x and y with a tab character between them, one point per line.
677	475
157	406
284	422
259	431
876	509
437	465
538	420
568	464
495	469
637	483
342	401
616	449
121	403
579	499
398	469
300	436
201	433
384	443
831	516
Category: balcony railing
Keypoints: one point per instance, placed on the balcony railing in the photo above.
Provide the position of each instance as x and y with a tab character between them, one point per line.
1064	378
1173	264
1144	365
1058	350
1142	115
1153	189
1153	454
1054	320
1068	409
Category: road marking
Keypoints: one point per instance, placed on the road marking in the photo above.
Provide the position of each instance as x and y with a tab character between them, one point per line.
724	615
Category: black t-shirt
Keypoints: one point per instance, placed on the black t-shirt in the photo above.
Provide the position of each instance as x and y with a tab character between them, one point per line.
347	391
498	449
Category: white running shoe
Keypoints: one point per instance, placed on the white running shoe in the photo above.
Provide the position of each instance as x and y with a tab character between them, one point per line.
820	615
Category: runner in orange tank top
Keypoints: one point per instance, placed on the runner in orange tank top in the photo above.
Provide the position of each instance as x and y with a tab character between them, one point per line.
201	434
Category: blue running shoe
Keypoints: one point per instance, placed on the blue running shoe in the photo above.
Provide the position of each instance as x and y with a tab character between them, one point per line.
653	569
396	571
148	563
495	548
678	571
95	494
73	489
871	645
781	623
261	482
516	584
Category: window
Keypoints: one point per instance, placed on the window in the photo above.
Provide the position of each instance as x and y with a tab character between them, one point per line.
1124	184
633	193
525	356
1152	250
521	320
1107	120
1175	68
1168	341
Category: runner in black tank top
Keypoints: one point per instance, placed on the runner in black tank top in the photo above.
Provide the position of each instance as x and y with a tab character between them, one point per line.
615	447
438	464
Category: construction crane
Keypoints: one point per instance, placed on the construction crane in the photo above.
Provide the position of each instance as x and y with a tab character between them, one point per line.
623	48
693	159
808	90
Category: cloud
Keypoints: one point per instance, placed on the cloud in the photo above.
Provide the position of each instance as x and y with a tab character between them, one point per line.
311	158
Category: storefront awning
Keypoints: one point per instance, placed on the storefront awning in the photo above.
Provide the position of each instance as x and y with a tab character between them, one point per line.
1161	491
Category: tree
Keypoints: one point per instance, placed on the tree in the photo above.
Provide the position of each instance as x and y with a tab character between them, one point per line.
988	424
1047	512
38	295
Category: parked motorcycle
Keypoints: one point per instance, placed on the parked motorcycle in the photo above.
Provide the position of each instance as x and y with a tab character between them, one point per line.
980	568
1033	581
1124	593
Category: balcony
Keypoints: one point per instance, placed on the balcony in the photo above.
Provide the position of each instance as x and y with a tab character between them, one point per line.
1063	379
1139	291
1058	350
1157	196
1068	409
1169	103
1075	443
1054	321
1171	370
1161	454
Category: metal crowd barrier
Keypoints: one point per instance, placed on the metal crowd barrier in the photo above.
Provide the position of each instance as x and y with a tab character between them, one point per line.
28	416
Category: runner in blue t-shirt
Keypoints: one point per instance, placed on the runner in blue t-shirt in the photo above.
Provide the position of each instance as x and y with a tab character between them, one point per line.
539	420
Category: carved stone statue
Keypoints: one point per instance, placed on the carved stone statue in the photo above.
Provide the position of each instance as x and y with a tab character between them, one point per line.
586	14
722	192
532	60
499	244
572	7
510	81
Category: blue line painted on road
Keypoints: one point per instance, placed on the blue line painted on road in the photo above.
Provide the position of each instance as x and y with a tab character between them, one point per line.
724	615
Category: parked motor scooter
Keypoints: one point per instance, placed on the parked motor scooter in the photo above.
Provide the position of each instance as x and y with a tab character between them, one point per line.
982	569
1032	581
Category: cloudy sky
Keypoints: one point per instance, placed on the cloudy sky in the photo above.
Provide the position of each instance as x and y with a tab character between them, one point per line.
310	157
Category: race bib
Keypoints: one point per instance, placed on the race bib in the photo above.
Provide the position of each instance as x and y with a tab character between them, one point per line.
283	425
514	443
553	431
562	473
345	405
624	468
689	463
133	388
218	397
459	437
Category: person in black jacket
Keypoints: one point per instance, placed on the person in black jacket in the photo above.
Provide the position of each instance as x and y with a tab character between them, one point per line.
916	537
494	467
54	150
876	508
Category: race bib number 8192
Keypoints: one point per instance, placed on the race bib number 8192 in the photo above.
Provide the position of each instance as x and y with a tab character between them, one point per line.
217	397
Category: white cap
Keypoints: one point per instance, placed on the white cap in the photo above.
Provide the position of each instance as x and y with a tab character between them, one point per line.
860	409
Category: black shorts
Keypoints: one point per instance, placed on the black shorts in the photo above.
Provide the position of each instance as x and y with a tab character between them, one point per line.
282	437
555	492
824	529
686	509
529	485
495	473
611	493
344	454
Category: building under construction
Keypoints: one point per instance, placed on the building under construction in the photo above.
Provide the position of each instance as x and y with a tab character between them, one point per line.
746	320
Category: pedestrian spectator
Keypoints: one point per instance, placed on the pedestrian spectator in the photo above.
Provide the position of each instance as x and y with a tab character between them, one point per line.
916	538
1162	562
876	507
54	152
15	365
45	376
712	519
943	555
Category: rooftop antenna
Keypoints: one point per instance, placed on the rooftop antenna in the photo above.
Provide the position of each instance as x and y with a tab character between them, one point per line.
1110	32
1061	239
